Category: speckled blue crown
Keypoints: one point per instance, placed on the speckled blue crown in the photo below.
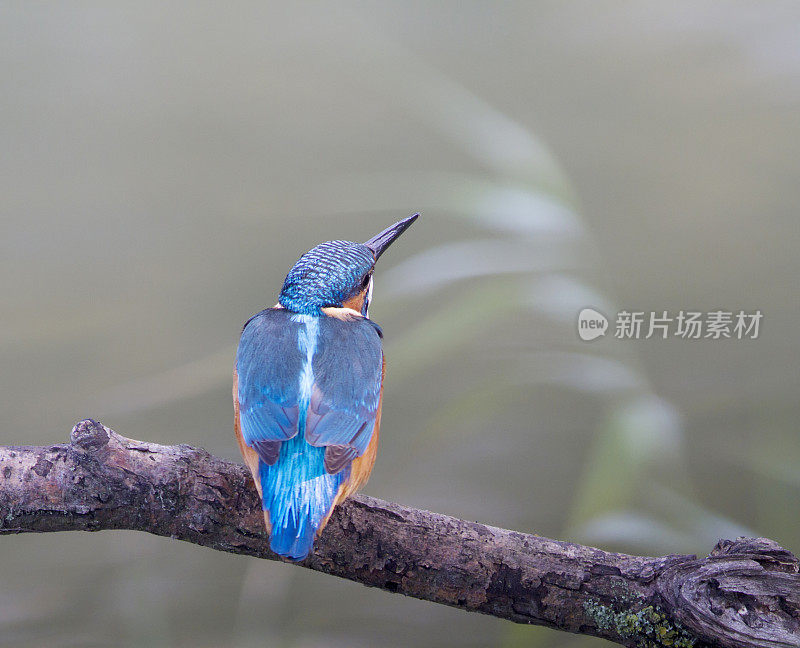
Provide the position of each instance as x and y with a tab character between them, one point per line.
325	276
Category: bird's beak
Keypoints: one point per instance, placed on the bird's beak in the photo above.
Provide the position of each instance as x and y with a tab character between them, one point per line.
380	242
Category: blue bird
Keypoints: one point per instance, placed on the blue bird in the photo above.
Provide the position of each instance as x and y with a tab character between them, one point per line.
307	390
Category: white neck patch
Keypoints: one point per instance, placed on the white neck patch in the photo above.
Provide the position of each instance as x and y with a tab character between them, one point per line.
368	298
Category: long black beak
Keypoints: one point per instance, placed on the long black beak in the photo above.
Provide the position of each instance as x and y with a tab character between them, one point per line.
380	242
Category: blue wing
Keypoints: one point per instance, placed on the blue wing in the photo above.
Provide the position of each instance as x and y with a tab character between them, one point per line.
268	364
320	376
347	385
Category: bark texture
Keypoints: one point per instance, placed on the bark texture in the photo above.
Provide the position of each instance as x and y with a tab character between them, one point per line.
745	593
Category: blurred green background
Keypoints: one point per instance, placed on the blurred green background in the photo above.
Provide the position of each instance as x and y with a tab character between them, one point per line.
164	164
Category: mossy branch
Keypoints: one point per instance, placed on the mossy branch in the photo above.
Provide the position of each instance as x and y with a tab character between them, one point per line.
746	593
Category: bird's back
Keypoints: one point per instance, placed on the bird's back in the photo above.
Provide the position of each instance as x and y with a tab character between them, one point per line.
307	394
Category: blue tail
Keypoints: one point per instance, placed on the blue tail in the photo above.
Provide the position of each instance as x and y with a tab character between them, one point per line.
298	493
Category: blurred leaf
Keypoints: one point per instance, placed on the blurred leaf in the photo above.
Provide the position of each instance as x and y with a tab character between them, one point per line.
448	328
638	434
438	267
562	297
579	371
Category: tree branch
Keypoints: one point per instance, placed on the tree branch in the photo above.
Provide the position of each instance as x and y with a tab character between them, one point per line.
746	593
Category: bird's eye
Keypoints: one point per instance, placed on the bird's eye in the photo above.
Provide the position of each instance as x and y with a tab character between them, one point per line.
365	281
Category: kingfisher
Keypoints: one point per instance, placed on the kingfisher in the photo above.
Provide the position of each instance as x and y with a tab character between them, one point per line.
308	389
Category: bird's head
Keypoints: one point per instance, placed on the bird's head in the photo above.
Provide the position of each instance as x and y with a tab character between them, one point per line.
337	273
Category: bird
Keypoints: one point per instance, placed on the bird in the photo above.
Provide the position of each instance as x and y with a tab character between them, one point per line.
308	390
